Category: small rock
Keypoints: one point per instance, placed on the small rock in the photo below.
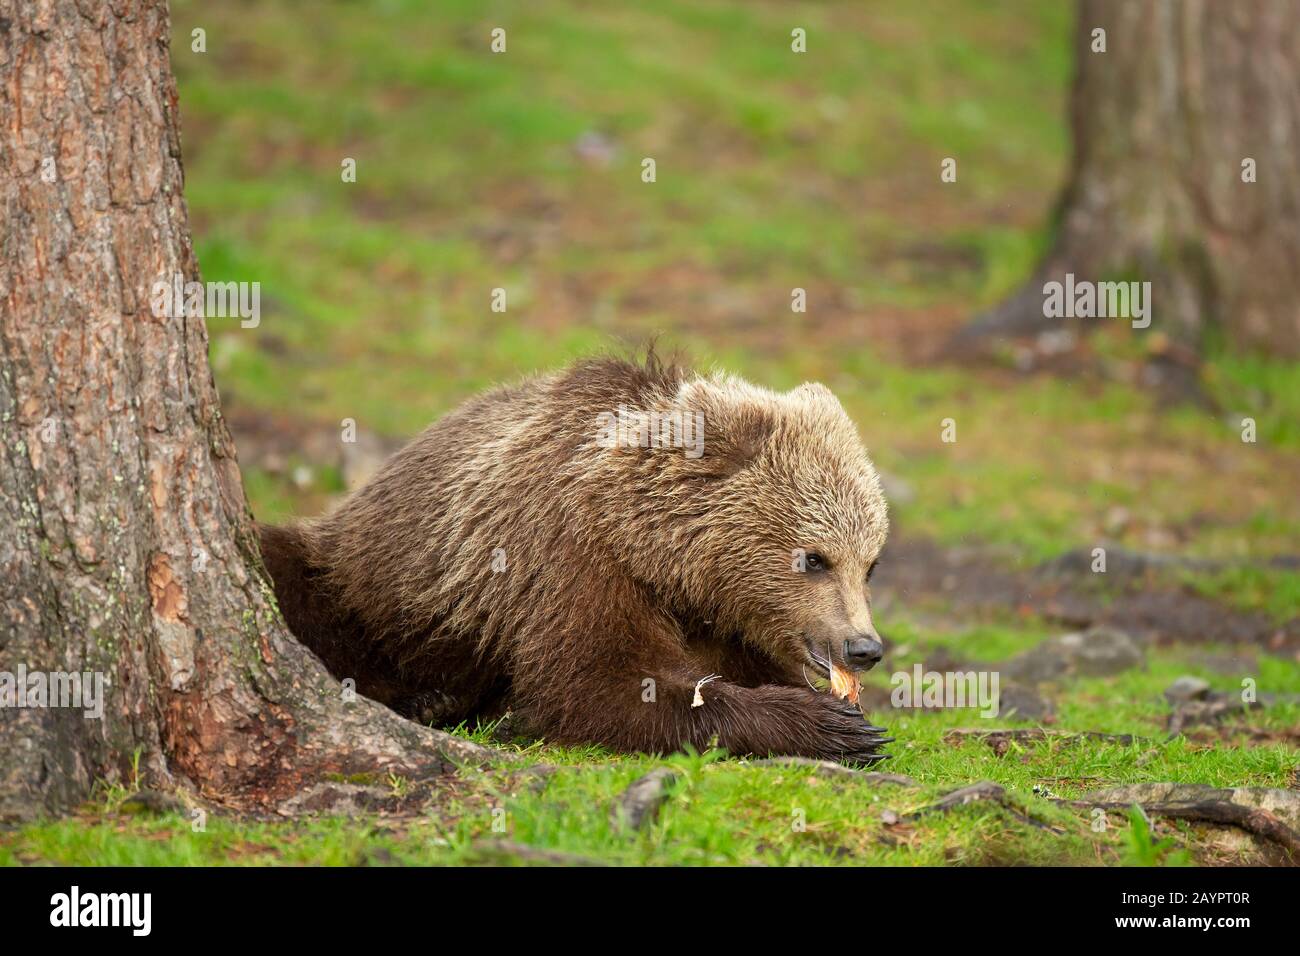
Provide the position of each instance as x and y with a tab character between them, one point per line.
1210	708
1102	651
1187	688
639	805
1024	702
1046	662
1097	652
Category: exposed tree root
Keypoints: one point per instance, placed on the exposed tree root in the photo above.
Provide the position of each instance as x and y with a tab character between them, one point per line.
1254	821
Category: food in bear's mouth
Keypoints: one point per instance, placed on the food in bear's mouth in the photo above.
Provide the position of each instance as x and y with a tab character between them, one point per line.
845	683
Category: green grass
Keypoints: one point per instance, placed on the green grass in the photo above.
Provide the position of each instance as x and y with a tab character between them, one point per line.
459	151
1275	591
727	812
1264	389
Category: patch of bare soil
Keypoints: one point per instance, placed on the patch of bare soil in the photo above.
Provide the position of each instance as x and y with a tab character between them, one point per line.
915	571
1212	737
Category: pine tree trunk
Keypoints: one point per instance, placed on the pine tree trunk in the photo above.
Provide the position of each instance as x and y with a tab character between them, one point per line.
126	546
1163	120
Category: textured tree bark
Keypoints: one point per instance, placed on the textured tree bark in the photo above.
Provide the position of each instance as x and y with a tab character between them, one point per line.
1162	122
126	545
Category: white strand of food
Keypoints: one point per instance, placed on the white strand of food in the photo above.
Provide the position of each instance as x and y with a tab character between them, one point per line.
699	698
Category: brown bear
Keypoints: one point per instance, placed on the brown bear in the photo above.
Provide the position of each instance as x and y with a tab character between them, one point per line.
586	547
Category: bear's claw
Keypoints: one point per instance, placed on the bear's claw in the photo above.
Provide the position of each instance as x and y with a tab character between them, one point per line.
847	736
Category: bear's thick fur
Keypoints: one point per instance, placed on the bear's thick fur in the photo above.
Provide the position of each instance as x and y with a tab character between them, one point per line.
526	552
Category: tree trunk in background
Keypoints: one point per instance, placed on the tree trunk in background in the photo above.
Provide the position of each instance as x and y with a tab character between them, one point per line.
126	546
1162	122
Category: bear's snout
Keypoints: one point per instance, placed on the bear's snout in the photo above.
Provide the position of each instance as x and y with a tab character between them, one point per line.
863	653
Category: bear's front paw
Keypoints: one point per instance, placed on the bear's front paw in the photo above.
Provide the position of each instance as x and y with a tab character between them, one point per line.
430	707
844	734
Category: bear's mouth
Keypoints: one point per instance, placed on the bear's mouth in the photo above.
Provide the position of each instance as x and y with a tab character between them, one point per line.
823	664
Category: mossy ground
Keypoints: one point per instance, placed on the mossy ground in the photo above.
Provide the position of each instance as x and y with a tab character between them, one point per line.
775	171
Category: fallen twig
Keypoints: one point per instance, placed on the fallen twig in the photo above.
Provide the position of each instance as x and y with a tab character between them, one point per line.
999	740
828	768
984	790
1253	820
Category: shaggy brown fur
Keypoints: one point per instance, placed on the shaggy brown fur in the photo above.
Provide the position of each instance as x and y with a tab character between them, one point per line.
625	573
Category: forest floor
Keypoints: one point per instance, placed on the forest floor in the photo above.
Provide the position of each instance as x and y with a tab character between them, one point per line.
775	171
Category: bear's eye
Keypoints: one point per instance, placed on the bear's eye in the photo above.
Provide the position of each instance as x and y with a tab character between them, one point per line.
815	562
872	570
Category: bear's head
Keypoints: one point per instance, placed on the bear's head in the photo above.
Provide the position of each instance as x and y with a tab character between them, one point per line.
788	524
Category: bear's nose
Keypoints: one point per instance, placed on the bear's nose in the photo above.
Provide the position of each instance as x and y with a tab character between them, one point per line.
863	652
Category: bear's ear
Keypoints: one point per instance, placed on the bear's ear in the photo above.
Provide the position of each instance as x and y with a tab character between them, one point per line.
736	438
814	391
